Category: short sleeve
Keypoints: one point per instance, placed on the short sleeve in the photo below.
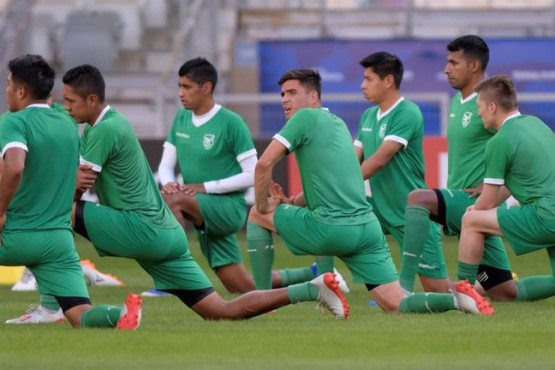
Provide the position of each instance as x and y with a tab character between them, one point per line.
497	160
240	138
12	133
403	127
98	144
176	120
296	131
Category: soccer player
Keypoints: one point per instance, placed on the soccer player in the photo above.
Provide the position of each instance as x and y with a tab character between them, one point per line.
216	157
519	157
133	221
389	144
40	148
333	217
467	59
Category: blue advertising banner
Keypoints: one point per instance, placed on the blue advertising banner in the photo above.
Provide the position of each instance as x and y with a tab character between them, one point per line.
530	62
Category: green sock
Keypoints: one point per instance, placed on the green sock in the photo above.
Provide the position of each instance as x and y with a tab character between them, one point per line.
324	264
49	302
103	316
302	292
260	248
417	230
534	288
467	271
295	276
427	303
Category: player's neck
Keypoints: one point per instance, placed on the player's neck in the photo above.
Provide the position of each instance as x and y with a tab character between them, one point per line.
98	110
469	88
389	101
204	108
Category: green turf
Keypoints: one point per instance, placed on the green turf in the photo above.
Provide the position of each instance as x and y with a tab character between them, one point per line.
296	337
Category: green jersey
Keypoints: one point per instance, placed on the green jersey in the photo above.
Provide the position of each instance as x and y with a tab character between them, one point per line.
330	172
213	150
467	139
44	197
521	156
402	123
124	180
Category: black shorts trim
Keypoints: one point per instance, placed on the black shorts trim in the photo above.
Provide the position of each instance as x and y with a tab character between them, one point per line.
67	303
441	217
190	297
371	286
79	226
489	277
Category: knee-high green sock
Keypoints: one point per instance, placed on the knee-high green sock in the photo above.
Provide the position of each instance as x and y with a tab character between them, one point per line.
295	276
533	288
427	303
260	248
302	292
49	302
103	316
324	264
467	271
417	230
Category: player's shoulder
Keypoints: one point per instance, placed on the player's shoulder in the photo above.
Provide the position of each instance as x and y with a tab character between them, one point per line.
229	116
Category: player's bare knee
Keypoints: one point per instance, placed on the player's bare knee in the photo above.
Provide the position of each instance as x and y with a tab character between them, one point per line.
423	198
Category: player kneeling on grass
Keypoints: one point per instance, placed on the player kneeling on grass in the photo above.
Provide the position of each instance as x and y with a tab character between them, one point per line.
332	217
40	148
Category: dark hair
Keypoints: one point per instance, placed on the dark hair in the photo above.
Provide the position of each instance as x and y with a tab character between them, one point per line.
384	64
308	78
34	73
200	71
499	90
86	80
473	48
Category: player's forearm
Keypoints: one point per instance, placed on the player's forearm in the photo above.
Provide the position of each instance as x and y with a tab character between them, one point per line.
262	180
371	166
489	198
239	182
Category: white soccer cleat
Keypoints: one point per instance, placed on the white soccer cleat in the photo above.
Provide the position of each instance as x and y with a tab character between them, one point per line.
26	283
342	283
468	300
97	278
130	317
330	296
36	314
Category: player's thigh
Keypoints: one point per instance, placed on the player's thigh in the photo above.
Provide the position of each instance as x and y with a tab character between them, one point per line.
220	250
51	257
126	234
222	214
526	229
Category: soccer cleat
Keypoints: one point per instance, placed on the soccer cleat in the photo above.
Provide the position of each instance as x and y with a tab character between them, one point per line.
97	278
26	283
342	283
36	314
130	317
468	300
154	293
330	296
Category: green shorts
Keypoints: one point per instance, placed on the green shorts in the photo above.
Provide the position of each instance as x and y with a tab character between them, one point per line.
362	247
224	215
51	257
162	252
525	229
432	262
452	205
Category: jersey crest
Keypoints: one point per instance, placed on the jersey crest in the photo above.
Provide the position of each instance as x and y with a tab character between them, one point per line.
467	116
208	141
381	133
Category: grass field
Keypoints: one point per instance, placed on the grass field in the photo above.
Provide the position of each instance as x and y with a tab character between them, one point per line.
520	335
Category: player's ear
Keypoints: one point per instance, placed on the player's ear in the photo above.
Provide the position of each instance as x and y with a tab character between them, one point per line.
93	100
207	88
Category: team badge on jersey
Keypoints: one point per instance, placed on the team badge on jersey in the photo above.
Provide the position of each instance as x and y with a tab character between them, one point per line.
208	141
467	116
381	133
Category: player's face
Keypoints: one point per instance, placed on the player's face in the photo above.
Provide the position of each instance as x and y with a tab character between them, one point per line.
373	87
191	94
294	97
485	112
458	70
77	107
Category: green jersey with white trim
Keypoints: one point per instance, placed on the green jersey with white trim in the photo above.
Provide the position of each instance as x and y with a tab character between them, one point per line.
44	198
330	172
402	123
467	139
213	150
521	156
125	181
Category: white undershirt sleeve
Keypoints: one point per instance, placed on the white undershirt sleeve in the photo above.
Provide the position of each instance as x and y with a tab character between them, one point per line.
239	182
167	164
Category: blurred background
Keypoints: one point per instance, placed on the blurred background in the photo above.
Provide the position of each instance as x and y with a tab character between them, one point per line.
140	44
